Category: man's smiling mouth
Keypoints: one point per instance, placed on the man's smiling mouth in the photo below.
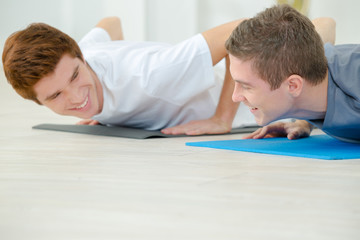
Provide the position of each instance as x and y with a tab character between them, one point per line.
251	108
83	104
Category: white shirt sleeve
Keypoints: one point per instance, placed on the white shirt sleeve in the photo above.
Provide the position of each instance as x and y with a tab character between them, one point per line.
96	35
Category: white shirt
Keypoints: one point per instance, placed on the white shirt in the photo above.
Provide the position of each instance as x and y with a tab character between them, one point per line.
152	85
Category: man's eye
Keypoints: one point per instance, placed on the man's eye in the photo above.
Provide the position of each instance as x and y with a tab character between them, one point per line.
56	95
245	87
75	76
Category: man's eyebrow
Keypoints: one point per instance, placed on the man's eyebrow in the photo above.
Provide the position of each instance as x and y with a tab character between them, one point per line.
73	76
242	82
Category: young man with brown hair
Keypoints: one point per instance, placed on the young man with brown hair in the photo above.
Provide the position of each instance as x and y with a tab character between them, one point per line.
282	70
136	84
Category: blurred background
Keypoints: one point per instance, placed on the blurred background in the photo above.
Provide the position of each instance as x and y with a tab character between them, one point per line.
163	20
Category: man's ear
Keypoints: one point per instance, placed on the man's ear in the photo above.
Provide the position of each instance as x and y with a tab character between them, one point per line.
295	84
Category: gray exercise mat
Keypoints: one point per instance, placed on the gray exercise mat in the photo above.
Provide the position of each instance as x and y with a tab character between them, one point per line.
120	131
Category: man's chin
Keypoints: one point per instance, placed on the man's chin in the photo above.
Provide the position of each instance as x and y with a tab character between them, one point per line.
262	122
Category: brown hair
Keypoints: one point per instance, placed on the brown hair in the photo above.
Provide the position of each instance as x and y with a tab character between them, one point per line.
32	53
280	41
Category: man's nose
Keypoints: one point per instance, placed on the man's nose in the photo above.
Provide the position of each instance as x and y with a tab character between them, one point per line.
237	94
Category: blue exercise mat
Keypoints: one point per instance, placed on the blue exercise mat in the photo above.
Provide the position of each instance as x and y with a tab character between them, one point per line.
318	146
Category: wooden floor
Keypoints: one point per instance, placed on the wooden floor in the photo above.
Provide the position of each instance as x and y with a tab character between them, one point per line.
68	186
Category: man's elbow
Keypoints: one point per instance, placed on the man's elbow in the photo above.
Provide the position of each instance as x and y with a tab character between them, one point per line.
113	26
326	27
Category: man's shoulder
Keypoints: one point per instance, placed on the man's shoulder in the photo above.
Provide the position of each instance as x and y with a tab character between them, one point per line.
95	35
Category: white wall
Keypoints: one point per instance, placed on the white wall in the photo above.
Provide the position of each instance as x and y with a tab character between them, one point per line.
215	12
160	20
174	20
346	14
171	21
74	17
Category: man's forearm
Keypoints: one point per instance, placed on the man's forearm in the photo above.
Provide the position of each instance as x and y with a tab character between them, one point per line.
226	109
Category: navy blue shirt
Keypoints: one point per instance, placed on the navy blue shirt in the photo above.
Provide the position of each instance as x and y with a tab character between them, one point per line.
342	118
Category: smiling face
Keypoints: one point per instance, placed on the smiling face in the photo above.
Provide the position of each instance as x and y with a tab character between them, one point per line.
267	105
73	89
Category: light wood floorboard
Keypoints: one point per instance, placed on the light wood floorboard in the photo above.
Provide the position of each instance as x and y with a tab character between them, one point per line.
56	185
